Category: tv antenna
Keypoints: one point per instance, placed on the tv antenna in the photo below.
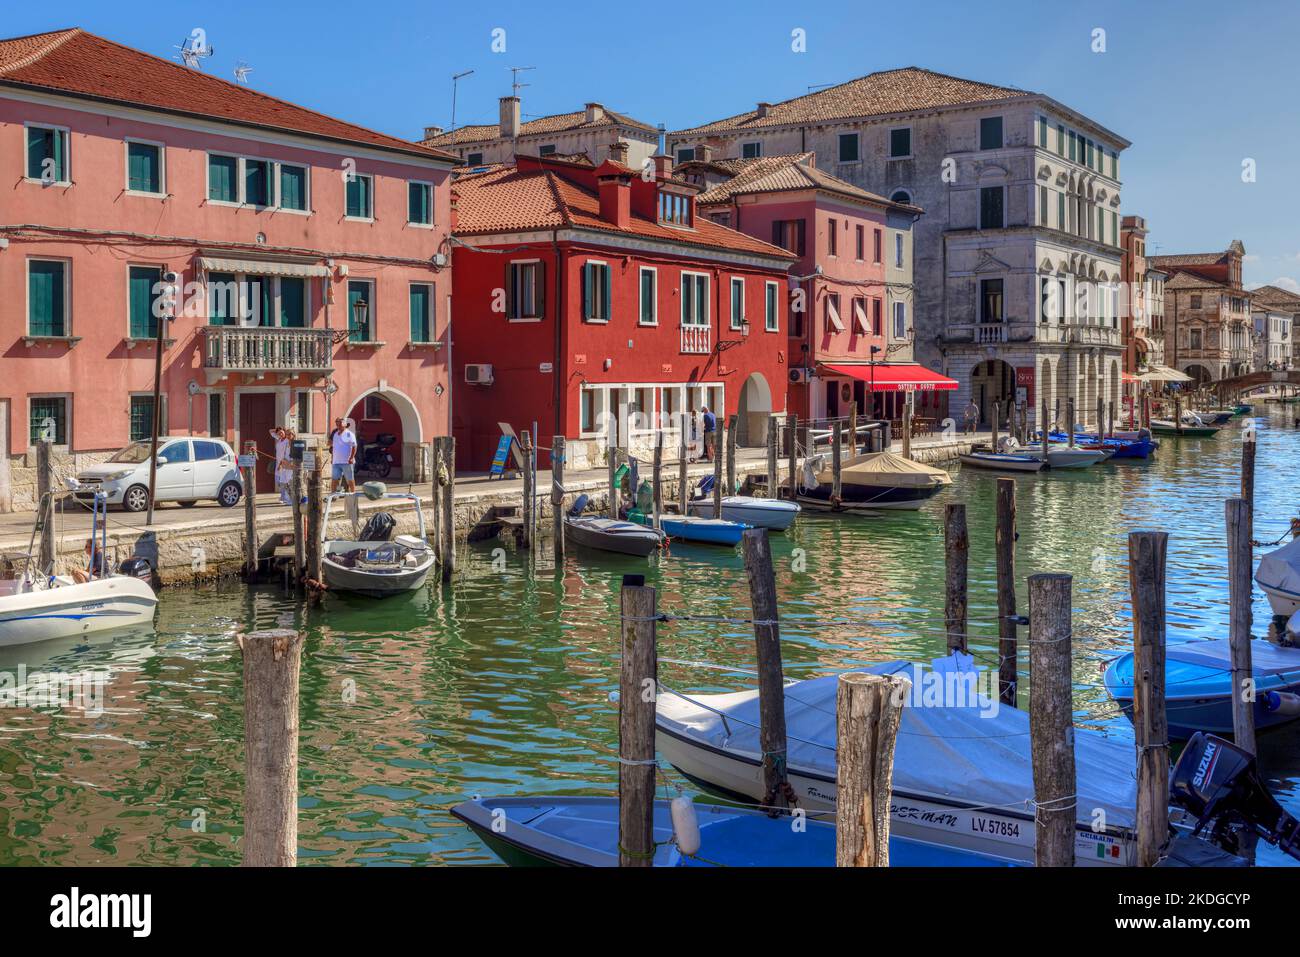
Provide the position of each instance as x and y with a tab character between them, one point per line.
515	85
242	71
455	79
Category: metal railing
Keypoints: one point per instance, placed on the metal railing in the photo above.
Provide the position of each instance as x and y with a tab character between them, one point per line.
265	349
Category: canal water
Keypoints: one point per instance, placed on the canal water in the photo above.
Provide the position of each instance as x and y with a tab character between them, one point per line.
499	684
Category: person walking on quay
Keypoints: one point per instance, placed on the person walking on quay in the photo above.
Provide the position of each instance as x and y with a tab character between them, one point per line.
283	463
343	449
972	417
710	431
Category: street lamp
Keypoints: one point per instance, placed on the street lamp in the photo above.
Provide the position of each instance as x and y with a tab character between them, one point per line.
872	363
360	309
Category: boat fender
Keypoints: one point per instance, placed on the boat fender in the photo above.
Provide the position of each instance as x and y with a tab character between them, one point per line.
1281	702
686	826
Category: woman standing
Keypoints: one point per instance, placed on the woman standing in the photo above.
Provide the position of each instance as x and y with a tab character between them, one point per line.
283	464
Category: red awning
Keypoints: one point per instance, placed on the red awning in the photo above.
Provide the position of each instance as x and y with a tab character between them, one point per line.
897	378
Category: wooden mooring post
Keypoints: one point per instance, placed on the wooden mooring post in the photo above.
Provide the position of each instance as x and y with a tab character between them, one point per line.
315	516
957	558
1101	412
272	661
1240	566
45	503
683	481
717	476
868	710
773	480
907	431
250	512
1043	432
557	495
529	494
1069	419
611	466
1051	720
837	463
792	450
637	684
1008	653
658	477
733	433
299	526
853	430
757	551
1146	561
994	424
1248	449
447	458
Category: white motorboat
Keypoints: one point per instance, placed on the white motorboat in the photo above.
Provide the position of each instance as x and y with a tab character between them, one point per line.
372	562
1278	576
963	776
610	534
35	610
771	513
1060	456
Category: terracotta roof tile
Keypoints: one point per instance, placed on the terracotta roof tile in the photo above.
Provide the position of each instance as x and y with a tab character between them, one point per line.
774	174
1187	259
82	64
557	123
1187	280
1276	296
889	91
513	200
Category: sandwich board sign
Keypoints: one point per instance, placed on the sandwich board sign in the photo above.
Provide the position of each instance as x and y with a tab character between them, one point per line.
501	457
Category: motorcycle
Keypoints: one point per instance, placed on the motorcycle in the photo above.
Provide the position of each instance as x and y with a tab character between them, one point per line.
375	457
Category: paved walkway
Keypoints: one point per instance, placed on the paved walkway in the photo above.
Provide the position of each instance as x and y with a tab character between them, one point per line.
16	527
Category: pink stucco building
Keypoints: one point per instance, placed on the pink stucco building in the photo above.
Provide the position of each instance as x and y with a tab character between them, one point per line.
309	259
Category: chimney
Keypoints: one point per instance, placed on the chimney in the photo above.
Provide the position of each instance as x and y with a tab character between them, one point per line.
704	153
764	109
615	190
663	165
594	112
509	117
618	151
431	131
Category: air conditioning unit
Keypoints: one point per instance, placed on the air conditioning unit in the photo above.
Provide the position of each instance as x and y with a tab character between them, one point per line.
800	375
479	373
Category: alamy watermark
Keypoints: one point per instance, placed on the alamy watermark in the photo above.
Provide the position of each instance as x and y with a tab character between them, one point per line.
62	690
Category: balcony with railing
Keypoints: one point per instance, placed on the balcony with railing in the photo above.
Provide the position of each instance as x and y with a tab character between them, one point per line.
259	350
1069	333
697	339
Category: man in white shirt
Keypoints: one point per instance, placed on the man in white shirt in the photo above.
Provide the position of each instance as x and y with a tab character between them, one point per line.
343	446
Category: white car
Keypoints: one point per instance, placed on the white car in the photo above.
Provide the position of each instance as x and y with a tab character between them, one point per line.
189	469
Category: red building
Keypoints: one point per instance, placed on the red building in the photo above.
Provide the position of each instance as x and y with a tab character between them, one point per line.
594	298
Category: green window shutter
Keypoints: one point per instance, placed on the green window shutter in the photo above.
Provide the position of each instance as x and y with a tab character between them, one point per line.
604	292
221	179
293	302
419	313
512	305
143	168
46	144
293	188
143	324
257	182
418	204
46	305
588	278
223	299
359	197
36	151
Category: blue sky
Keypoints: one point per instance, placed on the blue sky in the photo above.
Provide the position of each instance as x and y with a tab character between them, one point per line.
1197	86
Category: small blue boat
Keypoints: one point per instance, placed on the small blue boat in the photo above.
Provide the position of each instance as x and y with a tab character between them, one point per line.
693	528
583	832
1126	445
1198	685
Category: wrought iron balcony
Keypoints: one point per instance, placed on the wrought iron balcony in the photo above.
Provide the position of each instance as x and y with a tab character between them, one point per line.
261	349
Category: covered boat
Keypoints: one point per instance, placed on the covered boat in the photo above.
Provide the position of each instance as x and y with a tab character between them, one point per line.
583	832
963	776
1279	577
609	534
875	480
1198	685
372	562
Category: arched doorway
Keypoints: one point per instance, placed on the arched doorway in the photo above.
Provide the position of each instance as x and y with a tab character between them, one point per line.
754	413
1200	375
992	381
390	419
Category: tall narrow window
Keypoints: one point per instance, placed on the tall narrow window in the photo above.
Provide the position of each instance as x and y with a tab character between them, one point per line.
789	235
861	246
695	299
141	426
216	415
649	313
877	246
421	312
259	189
991	133
771	319
991	214
1042	205
524	294
898	250
849	152
832	237
44	407
833	321
900	320
900	143
876	323
990	300
47	306
419	204
360	201
595	291
47	154
143	281
144	168
293	302
223	178
737	302
360	328
293	187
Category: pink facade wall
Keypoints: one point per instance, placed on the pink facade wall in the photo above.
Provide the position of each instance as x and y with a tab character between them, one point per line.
101	370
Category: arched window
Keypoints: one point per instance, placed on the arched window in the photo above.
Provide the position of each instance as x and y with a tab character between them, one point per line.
901	196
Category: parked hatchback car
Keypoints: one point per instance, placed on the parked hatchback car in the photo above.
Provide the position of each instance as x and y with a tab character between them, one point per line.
189	470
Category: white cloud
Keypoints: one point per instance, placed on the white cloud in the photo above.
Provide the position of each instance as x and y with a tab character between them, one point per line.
1287	283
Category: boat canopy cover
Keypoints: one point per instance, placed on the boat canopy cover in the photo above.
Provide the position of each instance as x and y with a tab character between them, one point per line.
1280	570
884	468
978	754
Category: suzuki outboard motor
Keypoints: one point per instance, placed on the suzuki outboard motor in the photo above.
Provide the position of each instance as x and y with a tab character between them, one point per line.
379	528
579	504
137	568
1217	783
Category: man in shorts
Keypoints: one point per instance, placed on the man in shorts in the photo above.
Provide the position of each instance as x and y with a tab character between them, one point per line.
343	446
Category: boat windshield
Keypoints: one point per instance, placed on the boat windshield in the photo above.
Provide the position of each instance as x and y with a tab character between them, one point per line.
133	454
